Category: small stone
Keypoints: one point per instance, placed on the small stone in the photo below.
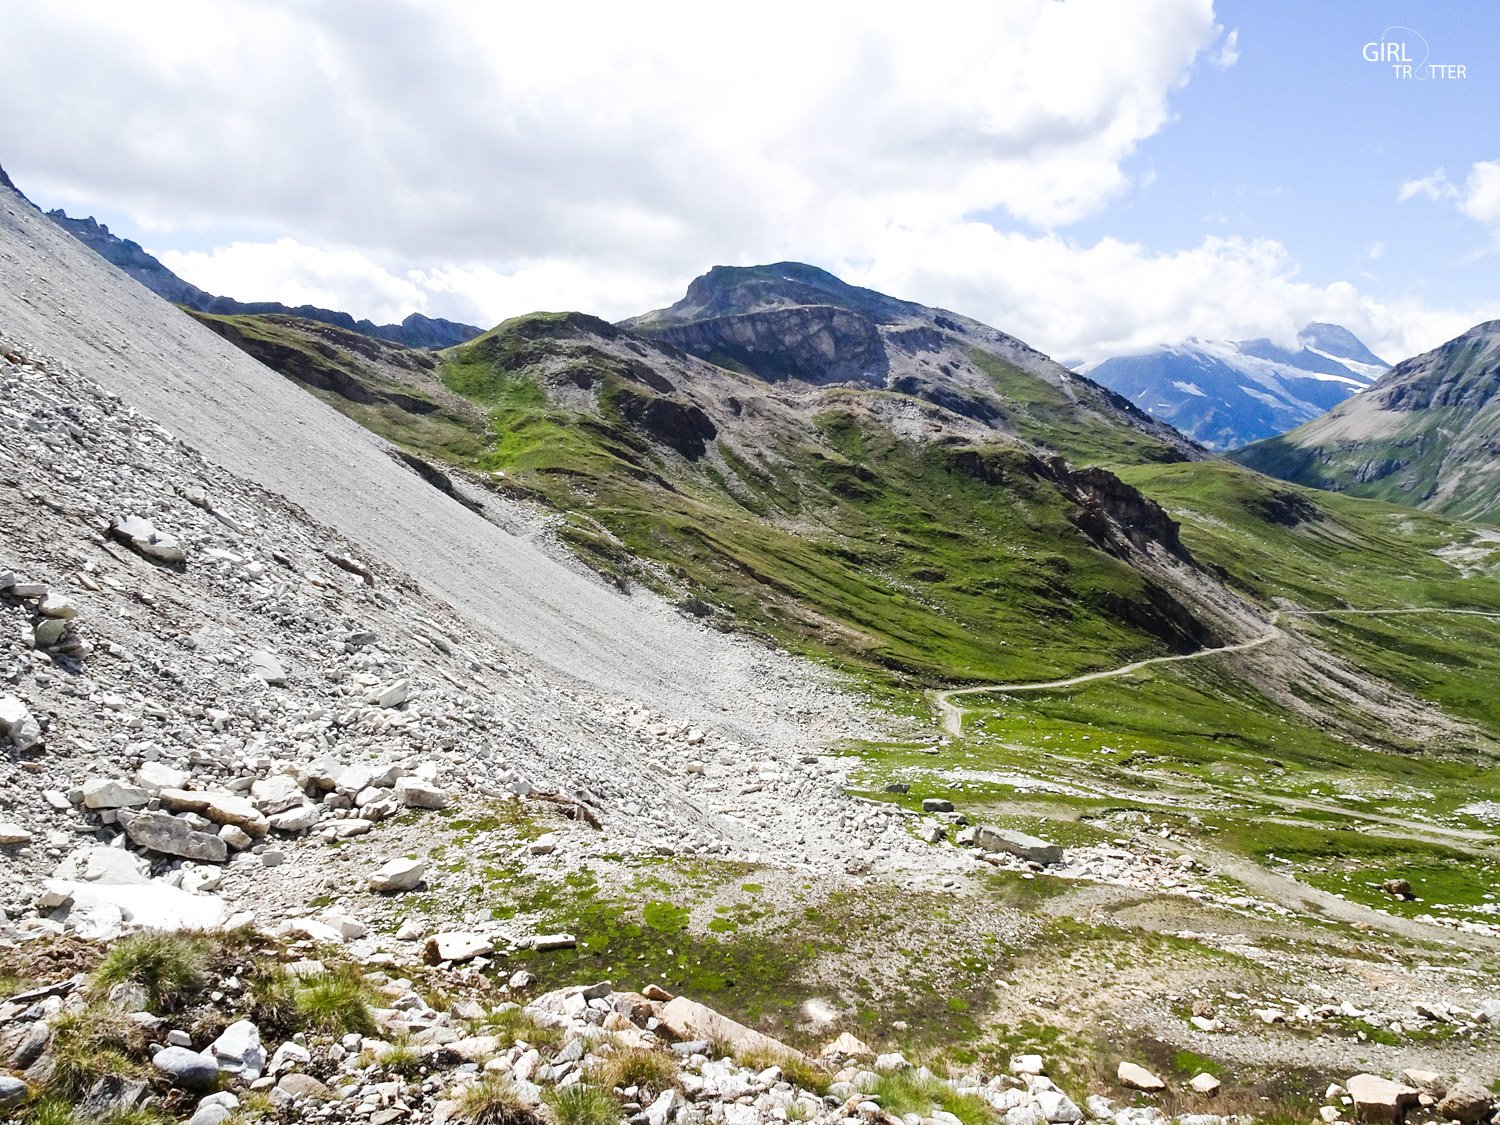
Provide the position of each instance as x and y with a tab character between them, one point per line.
12	834
936	805
1205	1083
1138	1078
302	1086
1027	1064
296	820
847	1046
236	837
276	794
154	777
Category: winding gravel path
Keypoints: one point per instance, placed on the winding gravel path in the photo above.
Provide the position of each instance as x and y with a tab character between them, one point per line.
952	716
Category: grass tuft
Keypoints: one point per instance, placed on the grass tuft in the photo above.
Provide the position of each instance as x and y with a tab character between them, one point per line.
172	968
337	1002
89	1044
799	1070
494	1101
649	1071
583	1103
905	1092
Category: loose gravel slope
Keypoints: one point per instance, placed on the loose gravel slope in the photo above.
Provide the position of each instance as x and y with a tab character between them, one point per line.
57	297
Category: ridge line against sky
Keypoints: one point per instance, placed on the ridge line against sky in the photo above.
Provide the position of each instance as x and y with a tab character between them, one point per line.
1093	176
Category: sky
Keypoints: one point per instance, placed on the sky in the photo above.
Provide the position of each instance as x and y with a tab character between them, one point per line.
1093	176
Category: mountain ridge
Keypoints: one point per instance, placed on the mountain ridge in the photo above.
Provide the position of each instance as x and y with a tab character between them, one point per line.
416	330
1427	434
1228	393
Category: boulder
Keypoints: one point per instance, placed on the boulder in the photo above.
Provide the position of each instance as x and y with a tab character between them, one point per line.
230	808
1379	1099
239	1051
847	1046
399	875
456	946
276	794
143	536
101	793
1204	1083
936	804
155	904
49	633
16	721
688	1019
265	666
296	820
415	793
1029	848
392	695
1428	1081
111	1096
155	776
170	835
56	605
1467	1100
12	834
1057	1108
305	1086
1138	1078
191	1070
100	864
13	1091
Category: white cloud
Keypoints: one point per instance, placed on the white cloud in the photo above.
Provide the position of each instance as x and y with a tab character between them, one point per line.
467	134
1481	197
1114	297
288	271
1478	197
1434	187
475	160
1229	50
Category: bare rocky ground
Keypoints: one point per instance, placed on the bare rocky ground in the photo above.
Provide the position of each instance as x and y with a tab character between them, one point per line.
258	677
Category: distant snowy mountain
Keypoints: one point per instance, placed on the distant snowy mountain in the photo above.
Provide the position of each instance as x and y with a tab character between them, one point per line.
1227	393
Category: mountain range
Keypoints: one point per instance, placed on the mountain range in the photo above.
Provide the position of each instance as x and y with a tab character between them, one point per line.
1426	434
1226	393
416	330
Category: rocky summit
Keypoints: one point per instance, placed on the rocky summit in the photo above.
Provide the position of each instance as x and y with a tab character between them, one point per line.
797	704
